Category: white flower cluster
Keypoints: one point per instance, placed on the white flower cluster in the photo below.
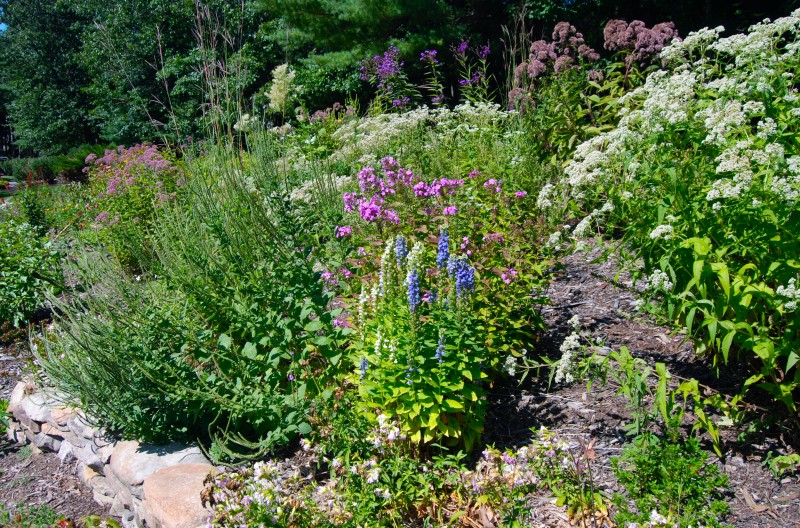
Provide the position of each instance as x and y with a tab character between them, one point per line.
791	292
510	366
279	90
727	104
566	365
374	134
658	280
663	231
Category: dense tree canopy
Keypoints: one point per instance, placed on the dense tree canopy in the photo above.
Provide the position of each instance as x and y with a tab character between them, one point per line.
82	71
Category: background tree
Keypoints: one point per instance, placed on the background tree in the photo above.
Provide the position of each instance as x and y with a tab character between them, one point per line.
40	68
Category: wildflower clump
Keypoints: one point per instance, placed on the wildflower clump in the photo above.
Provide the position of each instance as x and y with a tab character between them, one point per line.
702	178
129	185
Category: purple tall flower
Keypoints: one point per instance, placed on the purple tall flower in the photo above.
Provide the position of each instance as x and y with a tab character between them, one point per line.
400	249
413	291
443	254
440	349
464	275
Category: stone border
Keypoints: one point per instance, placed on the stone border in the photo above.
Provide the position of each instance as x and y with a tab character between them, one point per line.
148	486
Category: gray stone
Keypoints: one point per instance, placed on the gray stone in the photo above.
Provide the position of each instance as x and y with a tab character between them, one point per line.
88	455
60	417
105	452
132	462
21	389
45	442
81	427
102	486
66	453
35	407
102	500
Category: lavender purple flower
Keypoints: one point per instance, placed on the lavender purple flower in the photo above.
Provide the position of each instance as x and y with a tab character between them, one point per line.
429	56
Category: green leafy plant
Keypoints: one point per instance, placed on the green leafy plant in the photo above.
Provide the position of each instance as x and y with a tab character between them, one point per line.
674	479
3	416
28	268
29	516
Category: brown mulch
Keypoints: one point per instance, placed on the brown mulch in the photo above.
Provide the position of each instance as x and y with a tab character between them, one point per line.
604	302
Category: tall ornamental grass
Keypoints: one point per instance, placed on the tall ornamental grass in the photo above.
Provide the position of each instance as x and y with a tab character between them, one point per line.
233	339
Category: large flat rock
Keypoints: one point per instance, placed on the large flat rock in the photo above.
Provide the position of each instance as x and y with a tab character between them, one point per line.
132	462
172	497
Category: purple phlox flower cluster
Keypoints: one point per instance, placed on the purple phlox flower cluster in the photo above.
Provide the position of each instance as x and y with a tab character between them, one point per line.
437	99
329	278
346	273
402	102
440	350
429	56
443	253
484	52
430	297
509	275
497	238
437	187
102	217
343	231
361	252
390	181
450	210
641	44
341	323
492	184
475	174
363	366
400	250
521	194
463	273
382	68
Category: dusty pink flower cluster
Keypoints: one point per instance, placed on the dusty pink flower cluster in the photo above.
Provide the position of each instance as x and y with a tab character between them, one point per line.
639	43
565	50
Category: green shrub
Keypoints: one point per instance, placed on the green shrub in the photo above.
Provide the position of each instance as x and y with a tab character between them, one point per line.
28	268
674	480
